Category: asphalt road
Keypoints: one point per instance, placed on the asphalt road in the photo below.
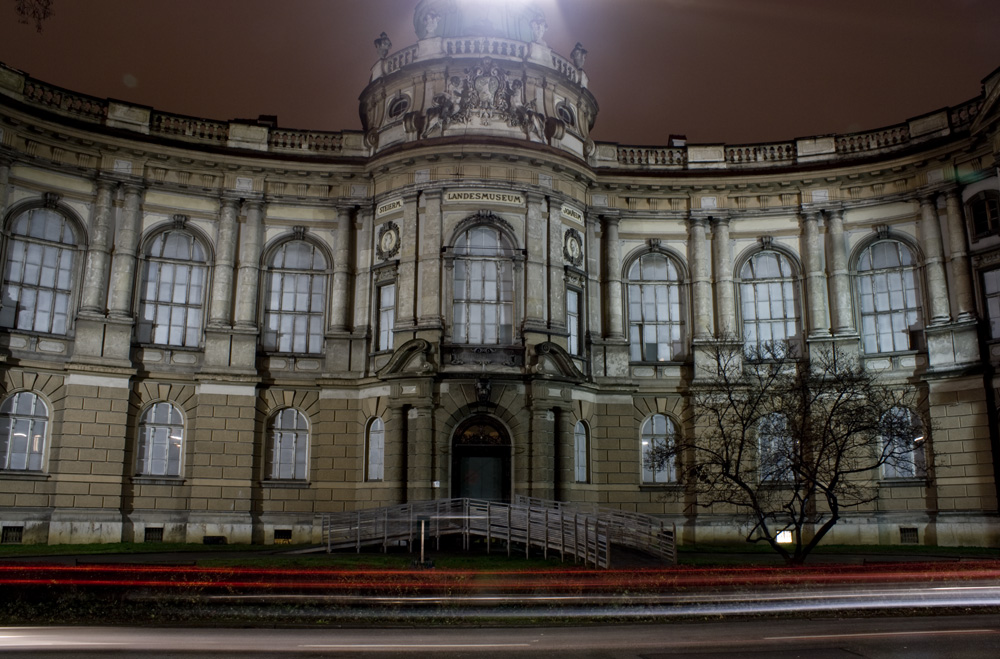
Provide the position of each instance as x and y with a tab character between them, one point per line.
963	637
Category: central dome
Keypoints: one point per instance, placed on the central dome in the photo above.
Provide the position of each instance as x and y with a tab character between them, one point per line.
510	19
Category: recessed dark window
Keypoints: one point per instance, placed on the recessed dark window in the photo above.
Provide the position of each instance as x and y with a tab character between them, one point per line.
282	536
565	113
153	534
12	535
908	536
984	212
398	106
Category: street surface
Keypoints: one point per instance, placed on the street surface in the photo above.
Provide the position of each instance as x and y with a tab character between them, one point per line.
963	637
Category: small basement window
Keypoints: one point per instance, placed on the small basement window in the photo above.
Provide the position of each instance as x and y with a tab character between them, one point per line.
282	536
908	536
153	534
12	535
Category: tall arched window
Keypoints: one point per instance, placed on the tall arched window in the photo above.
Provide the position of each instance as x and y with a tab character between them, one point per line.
483	310
903	443
38	273
376	450
24	419
172	300
654	309
983	211
289	443
889	297
161	441
658	436
776	448
295	299
581	453
769	299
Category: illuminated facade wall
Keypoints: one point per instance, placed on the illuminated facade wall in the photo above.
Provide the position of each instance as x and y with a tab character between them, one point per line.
229	329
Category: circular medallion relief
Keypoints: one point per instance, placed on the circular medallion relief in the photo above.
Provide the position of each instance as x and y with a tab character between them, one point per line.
573	247
388	241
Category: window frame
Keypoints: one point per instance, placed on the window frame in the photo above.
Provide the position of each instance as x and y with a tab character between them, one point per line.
991	301
299	436
674	291
990	200
914	331
581	452
790	282
192	331
915	467
783	470
312	339
64	292
375	450
648	439
504	262
32	455
574	322
145	447
385	317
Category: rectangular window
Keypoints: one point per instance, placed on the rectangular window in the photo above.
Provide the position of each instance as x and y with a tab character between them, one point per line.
386	316
573	321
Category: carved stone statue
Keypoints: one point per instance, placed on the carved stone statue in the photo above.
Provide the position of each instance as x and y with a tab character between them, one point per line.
538	28
579	55
432	21
382	45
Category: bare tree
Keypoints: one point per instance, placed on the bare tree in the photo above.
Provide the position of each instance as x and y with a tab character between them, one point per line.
33	11
790	444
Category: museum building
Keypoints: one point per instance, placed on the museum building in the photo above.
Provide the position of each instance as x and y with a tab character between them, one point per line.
229	329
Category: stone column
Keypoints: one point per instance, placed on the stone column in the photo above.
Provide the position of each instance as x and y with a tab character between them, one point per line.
95	278
613	309
220	313
701	285
930	237
840	282
536	281
540	477
960	274
126	253
342	268
557	272
592	261
248	278
723	267
430	261
4	184
819	326
406	312
420	448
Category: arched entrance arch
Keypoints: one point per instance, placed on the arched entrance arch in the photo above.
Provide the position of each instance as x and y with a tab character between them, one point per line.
480	464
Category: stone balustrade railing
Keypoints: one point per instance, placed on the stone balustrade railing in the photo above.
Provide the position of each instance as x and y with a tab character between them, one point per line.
486	46
63	101
396	61
875	140
305	141
566	68
189	128
761	154
963	115
670	158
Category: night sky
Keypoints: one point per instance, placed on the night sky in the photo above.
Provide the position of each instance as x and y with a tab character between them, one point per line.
732	71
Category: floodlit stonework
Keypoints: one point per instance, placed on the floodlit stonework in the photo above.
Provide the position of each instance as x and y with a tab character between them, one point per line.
227	329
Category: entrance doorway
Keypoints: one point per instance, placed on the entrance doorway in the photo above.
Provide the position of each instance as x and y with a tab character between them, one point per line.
480	465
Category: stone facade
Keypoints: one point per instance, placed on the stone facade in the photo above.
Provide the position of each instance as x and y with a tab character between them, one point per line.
229	329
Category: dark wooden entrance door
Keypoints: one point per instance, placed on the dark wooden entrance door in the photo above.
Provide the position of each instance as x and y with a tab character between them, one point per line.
480	467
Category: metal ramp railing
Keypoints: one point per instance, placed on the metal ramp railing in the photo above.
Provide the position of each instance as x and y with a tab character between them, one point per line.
529	523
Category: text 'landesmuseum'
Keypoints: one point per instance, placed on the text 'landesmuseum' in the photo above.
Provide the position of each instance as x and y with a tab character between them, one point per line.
214	328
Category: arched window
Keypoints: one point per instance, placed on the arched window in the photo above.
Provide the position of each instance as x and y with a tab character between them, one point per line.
483	311
581	452
654	309
161	441
889	297
769	299
658	437
172	300
376	450
24	419
903	444
776	448
289	440
295	299
39	272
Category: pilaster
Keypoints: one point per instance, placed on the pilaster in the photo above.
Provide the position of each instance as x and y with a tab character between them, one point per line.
839	278
220	315
613	308
957	245
429	275
819	324
251	236
723	266
701	286
930	238
536	280
95	278
342	268
126	254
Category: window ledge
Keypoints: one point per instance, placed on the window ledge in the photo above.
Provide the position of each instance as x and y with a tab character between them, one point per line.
278	484
655	487
18	475
903	482
158	480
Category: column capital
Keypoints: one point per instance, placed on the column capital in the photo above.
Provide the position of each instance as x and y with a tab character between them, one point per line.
612	219
928	197
257	205
104	182
229	201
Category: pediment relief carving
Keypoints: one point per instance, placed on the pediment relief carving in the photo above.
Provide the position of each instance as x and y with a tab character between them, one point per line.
415	357
553	361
